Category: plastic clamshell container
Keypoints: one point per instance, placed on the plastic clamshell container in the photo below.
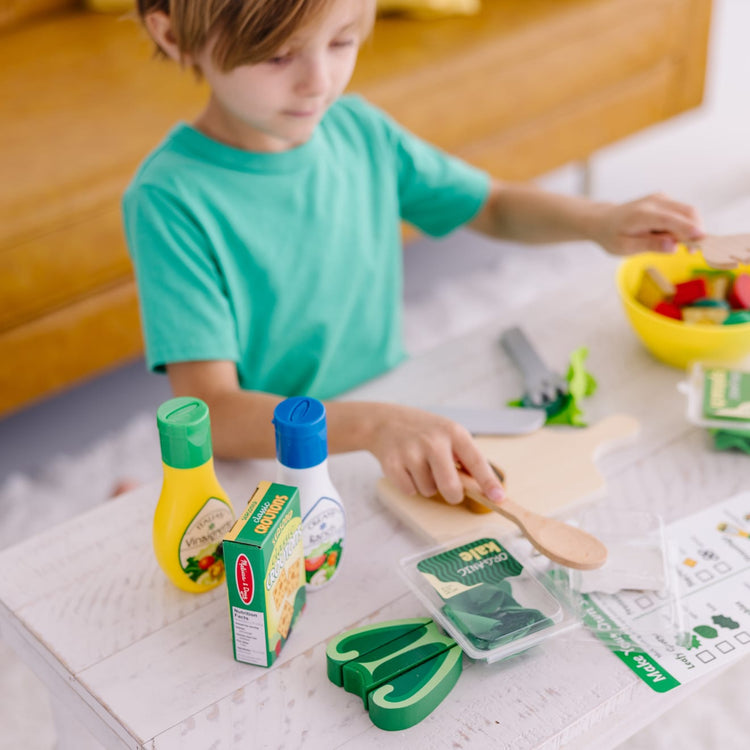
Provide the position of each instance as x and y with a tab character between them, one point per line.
639	568
703	379
486	596
637	558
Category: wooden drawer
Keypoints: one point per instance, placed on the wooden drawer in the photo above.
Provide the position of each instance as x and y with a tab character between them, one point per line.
13	12
85	338
88	103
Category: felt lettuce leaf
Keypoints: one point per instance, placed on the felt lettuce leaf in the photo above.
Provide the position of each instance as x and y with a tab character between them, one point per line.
489	616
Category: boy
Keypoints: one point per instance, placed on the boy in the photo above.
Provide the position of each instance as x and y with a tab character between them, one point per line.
266	240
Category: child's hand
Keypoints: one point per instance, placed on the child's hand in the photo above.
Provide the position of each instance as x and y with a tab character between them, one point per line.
418	452
652	224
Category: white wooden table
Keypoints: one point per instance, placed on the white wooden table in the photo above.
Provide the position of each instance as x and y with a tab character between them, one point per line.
141	664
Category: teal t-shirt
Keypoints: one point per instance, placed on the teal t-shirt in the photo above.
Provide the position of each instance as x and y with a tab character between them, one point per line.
288	264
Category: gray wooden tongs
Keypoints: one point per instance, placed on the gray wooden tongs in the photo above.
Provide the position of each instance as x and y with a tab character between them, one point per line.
544	389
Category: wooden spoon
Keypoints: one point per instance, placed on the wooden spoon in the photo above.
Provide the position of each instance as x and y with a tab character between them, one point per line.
555	539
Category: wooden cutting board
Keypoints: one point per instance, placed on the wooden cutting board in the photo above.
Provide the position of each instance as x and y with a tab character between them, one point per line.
551	471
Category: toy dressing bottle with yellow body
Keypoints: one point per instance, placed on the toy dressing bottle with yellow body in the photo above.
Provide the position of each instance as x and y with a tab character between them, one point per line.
193	513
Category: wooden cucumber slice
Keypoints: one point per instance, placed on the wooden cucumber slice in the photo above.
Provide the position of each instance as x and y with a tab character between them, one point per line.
401	669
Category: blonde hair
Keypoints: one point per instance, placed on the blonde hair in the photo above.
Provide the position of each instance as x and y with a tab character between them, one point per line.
246	31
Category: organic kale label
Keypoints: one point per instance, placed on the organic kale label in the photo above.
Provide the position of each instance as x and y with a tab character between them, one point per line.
726	394
471	579
461	568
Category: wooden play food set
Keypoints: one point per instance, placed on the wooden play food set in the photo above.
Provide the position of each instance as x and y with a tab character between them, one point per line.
265	573
490	604
681	285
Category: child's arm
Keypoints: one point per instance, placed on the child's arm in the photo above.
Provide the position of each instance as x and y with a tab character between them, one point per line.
526	214
416	450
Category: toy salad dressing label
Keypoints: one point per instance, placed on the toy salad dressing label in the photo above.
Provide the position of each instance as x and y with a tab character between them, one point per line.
726	394
199	555
323	538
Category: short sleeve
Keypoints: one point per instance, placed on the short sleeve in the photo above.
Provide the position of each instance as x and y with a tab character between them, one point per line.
185	311
437	192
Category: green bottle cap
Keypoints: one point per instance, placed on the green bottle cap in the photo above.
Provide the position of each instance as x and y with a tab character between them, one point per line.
184	432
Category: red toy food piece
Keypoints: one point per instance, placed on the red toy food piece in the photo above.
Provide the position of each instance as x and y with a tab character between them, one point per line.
669	310
739	297
689	291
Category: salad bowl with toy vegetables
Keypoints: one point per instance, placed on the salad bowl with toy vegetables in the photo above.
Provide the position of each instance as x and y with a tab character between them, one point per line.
685	311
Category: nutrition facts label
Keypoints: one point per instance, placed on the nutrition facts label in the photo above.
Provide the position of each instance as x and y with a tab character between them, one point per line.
250	636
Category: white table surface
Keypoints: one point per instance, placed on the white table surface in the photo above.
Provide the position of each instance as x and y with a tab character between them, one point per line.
142	664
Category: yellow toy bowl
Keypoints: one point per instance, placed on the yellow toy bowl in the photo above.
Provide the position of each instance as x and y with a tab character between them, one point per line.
672	341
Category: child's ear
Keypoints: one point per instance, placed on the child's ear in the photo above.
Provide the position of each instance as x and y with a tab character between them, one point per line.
159	26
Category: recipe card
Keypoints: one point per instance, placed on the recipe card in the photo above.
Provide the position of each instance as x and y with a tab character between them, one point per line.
711	567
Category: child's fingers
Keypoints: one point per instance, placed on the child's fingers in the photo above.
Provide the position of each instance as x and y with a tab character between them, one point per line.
660	242
660	214
476	465
400	477
684	209
446	477
422	477
670	222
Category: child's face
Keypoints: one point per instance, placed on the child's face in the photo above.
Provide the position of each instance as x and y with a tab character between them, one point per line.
276	105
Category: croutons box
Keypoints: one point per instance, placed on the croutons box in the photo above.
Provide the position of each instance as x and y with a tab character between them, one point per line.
265	571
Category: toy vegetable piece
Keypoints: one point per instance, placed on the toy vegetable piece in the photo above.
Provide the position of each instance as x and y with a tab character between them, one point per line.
739	297
710	297
655	288
401	669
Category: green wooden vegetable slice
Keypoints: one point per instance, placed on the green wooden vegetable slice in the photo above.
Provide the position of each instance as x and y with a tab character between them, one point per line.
401	669
357	642
413	695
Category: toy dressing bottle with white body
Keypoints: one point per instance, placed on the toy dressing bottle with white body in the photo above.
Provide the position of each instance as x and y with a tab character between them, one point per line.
302	461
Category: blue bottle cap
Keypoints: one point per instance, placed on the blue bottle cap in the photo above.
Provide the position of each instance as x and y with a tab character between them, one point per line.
301	434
